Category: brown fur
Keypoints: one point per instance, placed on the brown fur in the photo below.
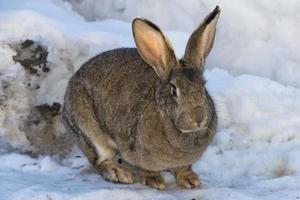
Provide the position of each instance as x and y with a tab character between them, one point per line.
156	120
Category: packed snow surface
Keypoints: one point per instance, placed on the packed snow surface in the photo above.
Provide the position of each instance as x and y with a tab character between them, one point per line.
253	74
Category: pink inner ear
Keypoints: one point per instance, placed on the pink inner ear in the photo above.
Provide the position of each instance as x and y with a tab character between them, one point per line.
152	46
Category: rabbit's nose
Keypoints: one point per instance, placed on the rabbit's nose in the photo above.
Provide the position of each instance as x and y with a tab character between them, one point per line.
195	104
196	100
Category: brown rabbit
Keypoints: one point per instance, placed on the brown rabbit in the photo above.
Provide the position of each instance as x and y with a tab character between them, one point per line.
146	106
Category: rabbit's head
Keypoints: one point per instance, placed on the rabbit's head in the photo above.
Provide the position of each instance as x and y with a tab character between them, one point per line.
181	93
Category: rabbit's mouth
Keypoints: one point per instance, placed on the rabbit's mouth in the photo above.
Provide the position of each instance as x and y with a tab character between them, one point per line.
193	130
188	127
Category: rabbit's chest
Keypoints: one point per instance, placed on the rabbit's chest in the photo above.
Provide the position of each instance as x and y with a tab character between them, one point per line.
158	154
151	148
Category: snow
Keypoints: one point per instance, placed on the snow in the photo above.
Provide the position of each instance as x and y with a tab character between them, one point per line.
252	74
254	37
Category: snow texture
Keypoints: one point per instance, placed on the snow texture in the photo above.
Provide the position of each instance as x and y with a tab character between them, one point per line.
253	74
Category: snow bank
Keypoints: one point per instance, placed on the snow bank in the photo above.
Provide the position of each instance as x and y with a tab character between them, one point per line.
255	153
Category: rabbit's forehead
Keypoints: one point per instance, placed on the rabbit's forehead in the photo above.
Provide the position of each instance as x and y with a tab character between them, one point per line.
190	74
188	77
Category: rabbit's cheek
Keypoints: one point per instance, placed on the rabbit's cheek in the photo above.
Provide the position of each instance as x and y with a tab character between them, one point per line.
204	123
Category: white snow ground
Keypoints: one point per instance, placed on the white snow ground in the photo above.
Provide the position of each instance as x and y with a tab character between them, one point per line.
255	154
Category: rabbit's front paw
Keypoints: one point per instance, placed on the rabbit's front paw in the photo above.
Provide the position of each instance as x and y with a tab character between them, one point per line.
116	172
187	179
152	179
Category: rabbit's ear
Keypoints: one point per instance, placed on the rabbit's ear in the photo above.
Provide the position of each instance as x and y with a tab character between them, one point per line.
154	47
202	39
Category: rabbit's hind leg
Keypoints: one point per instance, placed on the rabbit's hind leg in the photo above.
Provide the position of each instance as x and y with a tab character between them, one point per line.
80	119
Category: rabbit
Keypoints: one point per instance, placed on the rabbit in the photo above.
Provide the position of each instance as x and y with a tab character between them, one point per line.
145	105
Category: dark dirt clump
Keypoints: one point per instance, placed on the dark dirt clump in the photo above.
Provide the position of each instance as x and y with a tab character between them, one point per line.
32	56
47	110
44	129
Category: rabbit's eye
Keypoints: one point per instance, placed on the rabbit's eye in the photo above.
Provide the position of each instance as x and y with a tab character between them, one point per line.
173	90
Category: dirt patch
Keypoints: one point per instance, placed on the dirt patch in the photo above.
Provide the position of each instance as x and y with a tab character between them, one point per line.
42	124
49	111
44	130
32	56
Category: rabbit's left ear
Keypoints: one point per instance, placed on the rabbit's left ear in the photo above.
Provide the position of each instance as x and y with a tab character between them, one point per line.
154	47
201	40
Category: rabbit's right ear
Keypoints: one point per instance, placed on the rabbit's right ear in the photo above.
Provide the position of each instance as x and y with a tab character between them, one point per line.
202	39
154	47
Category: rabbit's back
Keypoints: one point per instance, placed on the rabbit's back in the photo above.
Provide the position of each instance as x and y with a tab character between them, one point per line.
117	65
121	85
